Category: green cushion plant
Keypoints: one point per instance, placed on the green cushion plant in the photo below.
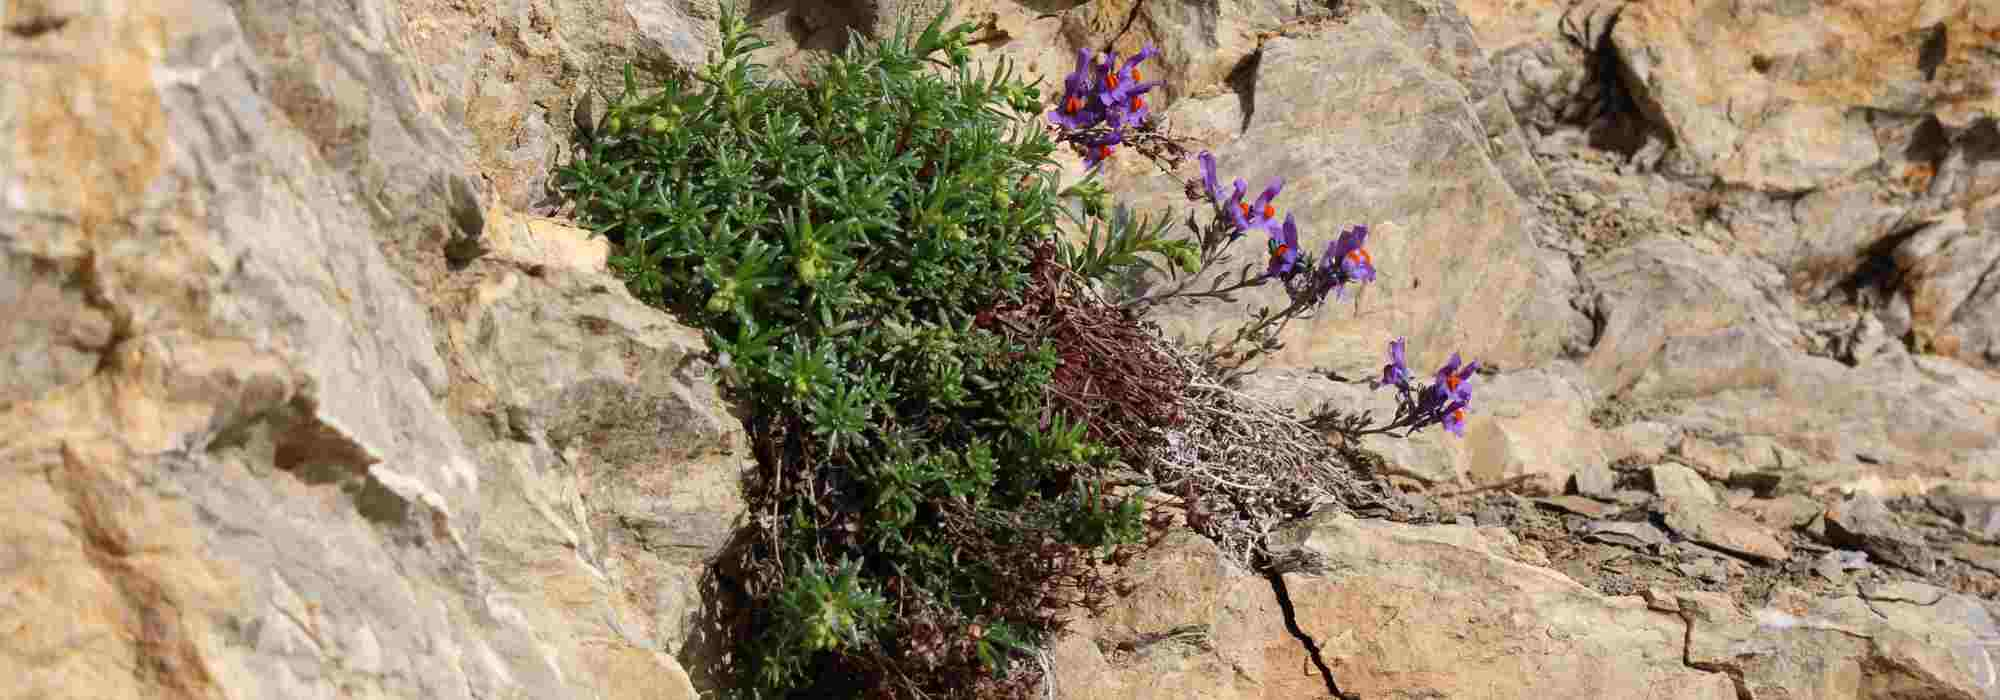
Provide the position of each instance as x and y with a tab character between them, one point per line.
938	395
924	513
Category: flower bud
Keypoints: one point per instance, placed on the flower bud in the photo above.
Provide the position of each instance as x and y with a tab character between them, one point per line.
809	270
724	299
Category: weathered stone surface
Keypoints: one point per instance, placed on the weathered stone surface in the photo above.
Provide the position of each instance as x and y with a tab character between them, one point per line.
1864	522
1201	42
1644	441
1840	423
1784	512
1534	429
1443	34
1766	96
1844	647
1197	626
1949	283
1205	628
1638	535
1511	621
1596	481
1723	529
1460	270
597	412
264	486
1974	506
522	76
51	335
1675	483
1665	288
1586	507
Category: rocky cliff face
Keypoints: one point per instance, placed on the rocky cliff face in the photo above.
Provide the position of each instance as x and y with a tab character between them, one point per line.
301	398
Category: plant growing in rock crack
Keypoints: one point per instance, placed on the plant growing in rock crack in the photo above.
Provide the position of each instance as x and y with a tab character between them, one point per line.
936	401
871	254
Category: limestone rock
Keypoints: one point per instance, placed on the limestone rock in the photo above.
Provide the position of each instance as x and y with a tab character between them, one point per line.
1532	427
1830	423
1637	535
1863	521
1724	529
1596	481
1676	484
1444	34
1837	647
1767	97
1662	289
1949	286
1217	631
1644	441
1511	620
270	483
1201	42
1460	269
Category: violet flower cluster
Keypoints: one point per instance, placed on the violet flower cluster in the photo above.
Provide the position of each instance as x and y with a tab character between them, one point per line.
1101	92
1442	402
1344	261
1102	98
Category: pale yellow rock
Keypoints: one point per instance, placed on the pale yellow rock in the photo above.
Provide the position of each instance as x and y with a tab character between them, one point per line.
1765	96
551	243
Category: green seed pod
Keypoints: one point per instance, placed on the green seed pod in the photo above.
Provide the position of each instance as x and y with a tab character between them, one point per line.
1001	200
659	124
616	124
809	270
724	299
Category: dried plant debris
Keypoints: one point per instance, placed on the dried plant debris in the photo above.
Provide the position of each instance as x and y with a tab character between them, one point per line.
1241	467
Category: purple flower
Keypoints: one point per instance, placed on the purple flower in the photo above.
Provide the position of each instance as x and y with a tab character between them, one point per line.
1100	148
1209	185
1355	263
1454	419
1442	402
1453	385
1397	372
1249	217
1122	83
1208	176
1284	249
1344	261
1132	112
1079	109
